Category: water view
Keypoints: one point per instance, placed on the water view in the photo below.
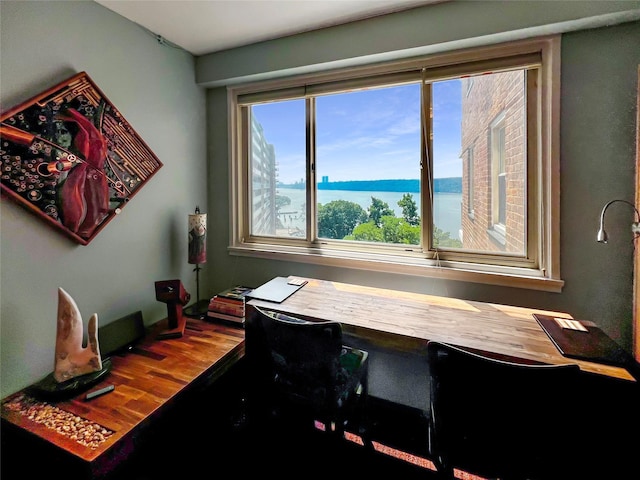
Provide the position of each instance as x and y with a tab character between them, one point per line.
447	206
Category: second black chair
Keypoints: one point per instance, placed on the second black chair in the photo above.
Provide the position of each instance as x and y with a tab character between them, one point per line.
500	419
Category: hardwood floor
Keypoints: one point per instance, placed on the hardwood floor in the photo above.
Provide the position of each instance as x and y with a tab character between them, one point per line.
266	452
211	434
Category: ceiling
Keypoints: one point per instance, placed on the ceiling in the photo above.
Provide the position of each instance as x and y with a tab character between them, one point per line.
207	26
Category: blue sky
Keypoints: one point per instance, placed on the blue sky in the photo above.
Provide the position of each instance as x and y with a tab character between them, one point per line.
367	135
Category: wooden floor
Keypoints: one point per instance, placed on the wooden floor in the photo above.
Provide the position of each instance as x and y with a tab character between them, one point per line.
215	437
268	453
209	435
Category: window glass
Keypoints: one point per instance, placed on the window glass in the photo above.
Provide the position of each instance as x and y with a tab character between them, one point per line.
492	126
447	163
277	157
368	165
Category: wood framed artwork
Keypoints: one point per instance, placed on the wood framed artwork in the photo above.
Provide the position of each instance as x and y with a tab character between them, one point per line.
70	157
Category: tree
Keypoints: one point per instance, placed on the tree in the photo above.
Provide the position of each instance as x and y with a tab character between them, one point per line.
443	239
366	232
338	218
282	201
397	230
379	209
409	209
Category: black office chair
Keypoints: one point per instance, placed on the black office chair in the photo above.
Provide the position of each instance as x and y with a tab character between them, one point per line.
303	371
499	419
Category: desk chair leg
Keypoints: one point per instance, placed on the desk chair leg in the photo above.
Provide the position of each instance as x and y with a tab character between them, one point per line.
443	471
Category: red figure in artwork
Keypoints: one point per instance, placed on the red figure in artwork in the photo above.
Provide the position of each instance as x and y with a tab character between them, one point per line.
85	194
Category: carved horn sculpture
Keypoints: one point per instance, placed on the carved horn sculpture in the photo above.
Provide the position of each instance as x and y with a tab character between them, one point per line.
72	359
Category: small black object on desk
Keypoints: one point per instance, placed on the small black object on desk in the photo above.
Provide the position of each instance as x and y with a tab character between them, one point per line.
100	391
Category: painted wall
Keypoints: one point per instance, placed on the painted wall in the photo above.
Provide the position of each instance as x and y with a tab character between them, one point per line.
153	86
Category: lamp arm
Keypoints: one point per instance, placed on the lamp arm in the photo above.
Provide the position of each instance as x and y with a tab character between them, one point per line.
635	226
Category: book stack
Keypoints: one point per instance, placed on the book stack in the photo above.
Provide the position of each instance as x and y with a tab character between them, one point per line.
229	304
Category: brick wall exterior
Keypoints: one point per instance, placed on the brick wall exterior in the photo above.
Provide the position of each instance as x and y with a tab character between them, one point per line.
486	98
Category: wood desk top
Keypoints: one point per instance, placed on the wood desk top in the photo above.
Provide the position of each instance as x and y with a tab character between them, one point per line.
147	380
412	319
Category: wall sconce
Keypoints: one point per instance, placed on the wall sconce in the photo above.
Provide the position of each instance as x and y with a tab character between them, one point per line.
635	226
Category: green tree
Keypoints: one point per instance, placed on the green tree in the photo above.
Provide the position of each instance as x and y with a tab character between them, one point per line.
366	232
397	230
443	239
379	209
409	209
392	230
338	218
282	201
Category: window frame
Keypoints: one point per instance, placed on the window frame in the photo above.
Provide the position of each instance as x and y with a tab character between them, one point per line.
540	271
471	171
498	175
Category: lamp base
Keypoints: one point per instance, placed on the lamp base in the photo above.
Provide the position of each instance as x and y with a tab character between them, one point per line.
197	309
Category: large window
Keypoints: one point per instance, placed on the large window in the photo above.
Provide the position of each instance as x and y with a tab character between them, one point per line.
440	166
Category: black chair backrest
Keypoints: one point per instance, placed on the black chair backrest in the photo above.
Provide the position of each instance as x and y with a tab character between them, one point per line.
295	356
498	418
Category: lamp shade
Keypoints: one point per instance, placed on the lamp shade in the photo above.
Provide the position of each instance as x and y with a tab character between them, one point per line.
198	237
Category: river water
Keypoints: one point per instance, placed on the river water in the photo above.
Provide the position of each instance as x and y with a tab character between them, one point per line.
447	206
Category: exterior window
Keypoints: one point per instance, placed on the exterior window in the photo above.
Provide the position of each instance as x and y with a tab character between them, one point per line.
278	142
373	168
368	157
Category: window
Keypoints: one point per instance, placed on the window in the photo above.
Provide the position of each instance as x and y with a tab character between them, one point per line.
373	167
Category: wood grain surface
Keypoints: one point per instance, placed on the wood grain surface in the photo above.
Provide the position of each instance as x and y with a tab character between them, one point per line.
147	381
409	320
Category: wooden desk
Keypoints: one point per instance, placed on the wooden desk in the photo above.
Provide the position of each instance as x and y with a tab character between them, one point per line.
412	319
147	381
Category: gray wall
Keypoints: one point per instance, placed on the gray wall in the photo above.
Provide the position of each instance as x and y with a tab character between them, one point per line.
154	88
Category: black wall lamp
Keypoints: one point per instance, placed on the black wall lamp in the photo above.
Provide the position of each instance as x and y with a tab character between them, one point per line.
635	226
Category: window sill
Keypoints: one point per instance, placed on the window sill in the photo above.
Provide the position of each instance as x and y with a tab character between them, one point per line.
498	237
465	272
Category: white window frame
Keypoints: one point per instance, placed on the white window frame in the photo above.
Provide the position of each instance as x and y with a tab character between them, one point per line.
540	271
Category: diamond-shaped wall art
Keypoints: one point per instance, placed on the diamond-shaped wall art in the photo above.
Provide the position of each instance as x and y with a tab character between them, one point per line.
70	157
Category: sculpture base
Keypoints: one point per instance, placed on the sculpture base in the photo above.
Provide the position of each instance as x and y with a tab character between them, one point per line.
50	389
175	332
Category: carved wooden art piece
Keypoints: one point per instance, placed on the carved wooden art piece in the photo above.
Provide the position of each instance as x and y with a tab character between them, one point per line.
72	359
70	157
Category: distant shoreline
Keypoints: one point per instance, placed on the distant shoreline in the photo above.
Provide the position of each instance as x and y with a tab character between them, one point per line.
440	185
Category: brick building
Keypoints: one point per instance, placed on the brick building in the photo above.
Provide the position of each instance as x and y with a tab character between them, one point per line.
494	162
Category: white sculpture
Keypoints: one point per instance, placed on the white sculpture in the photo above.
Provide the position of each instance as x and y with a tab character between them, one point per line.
72	359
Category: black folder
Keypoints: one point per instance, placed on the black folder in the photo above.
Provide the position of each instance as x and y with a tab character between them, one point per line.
593	344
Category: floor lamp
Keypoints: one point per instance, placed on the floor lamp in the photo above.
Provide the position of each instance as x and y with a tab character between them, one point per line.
197	256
